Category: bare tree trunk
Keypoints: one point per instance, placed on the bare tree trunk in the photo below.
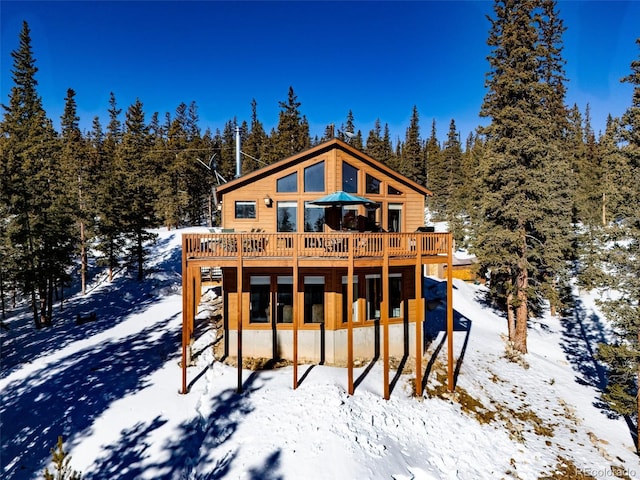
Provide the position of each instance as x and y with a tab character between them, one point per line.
4	315
140	255
61	296
511	319
34	307
522	312
83	259
50	290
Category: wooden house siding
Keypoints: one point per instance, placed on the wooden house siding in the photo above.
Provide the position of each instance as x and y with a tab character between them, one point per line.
261	184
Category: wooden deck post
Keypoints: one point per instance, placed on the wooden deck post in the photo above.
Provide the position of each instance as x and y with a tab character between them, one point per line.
450	384
384	317
420	314
185	316
240	308
296	312
350	321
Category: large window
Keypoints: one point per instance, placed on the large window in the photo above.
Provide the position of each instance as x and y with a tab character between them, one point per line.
350	218
373	184
259	294
395	296
313	299
394	217
374	296
246	209
314	178
349	178
288	184
287	217
284	299
313	218
345	306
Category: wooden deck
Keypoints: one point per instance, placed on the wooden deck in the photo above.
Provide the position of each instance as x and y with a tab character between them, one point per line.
350	250
315	249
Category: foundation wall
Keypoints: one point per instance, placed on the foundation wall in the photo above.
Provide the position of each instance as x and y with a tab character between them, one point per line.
328	347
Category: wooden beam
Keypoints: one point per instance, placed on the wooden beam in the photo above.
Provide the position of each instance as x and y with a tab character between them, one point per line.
384	316
185	315
350	322
240	304
296	312
420	313
450	384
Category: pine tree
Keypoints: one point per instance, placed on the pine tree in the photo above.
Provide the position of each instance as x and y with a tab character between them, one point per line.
412	161
33	197
138	173
554	233
470	190
110	200
292	134
433	174
199	186
449	200
74	160
61	461
623	355
255	142
373	146
348	133
175	163
522	239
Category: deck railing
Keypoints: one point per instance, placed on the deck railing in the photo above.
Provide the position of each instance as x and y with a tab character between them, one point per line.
329	245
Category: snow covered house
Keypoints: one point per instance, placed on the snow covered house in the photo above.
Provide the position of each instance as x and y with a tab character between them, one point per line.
322	257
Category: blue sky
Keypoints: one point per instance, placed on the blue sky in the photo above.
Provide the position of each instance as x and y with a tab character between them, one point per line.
377	59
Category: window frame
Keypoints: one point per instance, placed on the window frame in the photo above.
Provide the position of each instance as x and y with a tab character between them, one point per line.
246	203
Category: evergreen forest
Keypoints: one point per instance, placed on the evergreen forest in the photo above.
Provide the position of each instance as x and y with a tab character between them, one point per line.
538	196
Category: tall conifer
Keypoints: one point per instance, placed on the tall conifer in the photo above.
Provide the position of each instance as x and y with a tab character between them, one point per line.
74	161
623	355
137	171
32	194
524	234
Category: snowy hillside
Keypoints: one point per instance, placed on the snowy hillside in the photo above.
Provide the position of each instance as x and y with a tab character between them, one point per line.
110	387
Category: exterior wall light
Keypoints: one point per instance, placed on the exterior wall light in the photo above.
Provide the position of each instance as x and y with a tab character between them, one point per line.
267	201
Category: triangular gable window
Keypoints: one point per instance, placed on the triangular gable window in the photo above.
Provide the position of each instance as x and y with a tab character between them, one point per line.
393	191
288	184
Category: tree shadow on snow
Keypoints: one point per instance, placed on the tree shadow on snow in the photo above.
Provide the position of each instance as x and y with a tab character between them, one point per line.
192	450
66	397
435	327
582	333
112	303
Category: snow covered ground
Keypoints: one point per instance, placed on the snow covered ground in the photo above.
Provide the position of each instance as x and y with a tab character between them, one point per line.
110	388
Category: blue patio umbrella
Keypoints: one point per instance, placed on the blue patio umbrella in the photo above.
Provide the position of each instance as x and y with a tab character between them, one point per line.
341	199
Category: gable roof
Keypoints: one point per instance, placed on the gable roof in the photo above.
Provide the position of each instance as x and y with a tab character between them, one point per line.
315	151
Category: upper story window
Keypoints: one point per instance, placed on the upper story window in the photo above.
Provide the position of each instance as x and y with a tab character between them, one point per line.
245	209
373	184
349	178
288	184
393	191
314	178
